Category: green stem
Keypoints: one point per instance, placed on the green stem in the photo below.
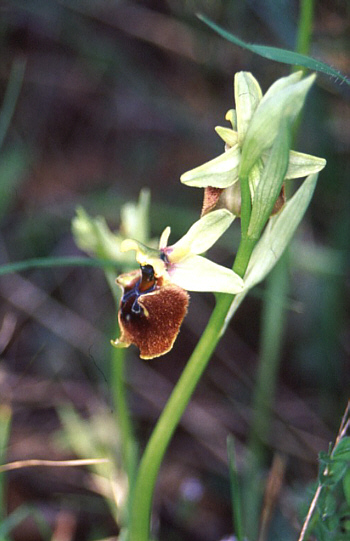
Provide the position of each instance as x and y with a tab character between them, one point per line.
243	255
273	320
169	419
172	413
129	447
246	205
305	25
247	243
128	442
11	95
5	426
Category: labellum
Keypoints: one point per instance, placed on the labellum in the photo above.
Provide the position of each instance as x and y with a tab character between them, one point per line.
151	312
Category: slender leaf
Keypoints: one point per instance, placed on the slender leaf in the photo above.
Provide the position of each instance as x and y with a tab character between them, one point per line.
235	490
13	165
277	54
11	95
47	262
13	520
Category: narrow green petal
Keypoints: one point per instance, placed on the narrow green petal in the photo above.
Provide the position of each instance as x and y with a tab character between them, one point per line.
220	172
284	103
163	241
145	255
231	116
229	136
278	233
202	234
300	165
247	97
196	273
141	249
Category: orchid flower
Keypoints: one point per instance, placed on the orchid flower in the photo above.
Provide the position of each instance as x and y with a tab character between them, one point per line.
155	298
255	125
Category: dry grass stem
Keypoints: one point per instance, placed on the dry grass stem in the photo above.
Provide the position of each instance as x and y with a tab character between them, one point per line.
32	462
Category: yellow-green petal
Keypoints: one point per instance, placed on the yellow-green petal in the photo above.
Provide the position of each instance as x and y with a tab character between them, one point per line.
232	118
229	136
163	241
281	84
145	255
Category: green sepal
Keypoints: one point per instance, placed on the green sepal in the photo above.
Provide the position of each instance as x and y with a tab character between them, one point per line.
220	172
247	95
197	273
300	165
283	100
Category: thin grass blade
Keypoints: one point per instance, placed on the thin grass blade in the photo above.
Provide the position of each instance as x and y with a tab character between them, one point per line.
277	54
235	490
47	262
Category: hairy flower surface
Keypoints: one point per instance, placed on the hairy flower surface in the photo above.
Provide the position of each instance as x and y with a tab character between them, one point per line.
151	312
255	125
155	298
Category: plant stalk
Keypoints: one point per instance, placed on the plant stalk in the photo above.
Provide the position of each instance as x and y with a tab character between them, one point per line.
305	26
273	320
129	446
173	411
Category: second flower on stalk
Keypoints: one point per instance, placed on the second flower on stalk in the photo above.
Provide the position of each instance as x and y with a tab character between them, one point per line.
155	298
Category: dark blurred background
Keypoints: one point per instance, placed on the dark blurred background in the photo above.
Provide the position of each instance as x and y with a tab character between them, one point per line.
117	96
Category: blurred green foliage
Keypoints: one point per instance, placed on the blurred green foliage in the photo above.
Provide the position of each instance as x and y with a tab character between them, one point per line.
116	96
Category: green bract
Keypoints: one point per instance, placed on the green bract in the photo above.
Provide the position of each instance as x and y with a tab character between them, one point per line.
270	182
275	239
